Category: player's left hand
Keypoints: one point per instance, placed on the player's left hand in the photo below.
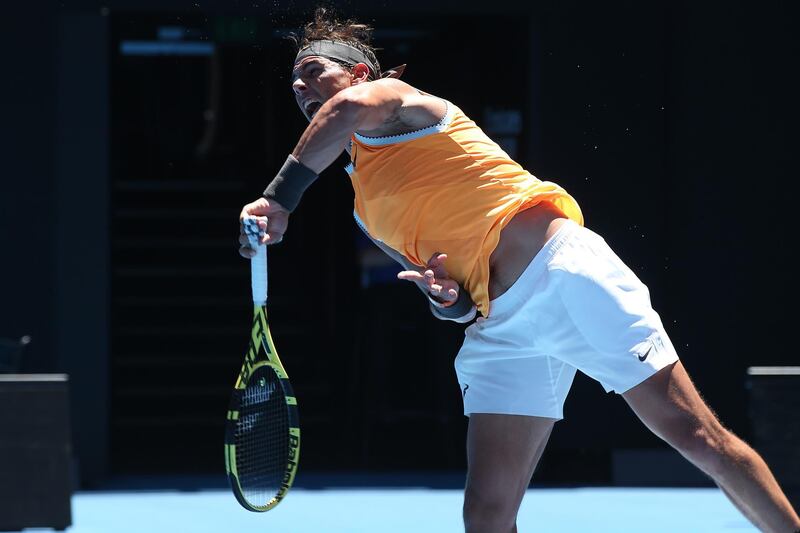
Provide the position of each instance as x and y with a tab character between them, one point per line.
434	280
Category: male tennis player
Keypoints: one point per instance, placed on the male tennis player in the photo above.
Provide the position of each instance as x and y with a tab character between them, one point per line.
478	233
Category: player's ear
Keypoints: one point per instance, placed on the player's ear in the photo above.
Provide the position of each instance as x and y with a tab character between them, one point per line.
360	73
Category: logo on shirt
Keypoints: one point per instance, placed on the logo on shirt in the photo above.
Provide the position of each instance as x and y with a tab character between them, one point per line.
464	391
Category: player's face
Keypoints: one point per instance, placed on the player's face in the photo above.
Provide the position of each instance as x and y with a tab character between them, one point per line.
315	80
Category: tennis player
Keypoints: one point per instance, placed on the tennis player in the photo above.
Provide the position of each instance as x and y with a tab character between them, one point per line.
482	236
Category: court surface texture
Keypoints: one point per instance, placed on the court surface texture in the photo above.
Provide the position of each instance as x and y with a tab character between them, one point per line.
137	507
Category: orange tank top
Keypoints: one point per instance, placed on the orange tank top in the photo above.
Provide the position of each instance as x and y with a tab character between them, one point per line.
446	188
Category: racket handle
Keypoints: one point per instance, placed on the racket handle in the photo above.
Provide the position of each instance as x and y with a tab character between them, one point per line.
258	263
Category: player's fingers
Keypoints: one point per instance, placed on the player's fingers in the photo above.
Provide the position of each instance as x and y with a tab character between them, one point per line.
245	250
436	260
247	212
445	295
429	278
438	292
272	238
450	295
411	275
436	263
260	220
415	277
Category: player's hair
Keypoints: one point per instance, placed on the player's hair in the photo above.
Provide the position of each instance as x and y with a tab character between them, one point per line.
325	26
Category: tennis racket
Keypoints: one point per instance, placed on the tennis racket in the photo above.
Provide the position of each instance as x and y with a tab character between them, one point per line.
262	435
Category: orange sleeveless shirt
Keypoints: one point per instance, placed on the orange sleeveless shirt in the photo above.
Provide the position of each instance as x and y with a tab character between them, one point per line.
447	189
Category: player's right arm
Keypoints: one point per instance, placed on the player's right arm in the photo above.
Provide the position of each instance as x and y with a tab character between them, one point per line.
362	107
365	106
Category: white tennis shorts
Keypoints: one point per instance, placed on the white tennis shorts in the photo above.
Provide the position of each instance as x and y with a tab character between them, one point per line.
576	306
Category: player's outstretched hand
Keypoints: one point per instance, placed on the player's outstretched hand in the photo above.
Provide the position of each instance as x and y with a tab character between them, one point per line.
272	218
434	280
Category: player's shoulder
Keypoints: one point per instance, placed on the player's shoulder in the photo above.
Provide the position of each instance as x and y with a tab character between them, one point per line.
393	83
401	87
412	96
393	86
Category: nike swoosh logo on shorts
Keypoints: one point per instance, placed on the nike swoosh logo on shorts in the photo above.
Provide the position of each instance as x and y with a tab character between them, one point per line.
643	357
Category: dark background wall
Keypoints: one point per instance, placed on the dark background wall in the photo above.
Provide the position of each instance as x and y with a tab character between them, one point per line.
665	121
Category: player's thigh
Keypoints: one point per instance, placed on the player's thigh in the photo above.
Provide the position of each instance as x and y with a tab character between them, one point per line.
668	403
502	453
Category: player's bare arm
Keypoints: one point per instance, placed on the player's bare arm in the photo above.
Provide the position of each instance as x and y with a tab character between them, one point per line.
381	107
374	109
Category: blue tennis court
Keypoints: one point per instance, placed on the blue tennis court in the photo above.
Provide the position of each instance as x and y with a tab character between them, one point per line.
403	510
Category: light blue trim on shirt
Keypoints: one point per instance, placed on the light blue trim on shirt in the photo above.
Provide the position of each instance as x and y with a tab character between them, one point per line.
361	223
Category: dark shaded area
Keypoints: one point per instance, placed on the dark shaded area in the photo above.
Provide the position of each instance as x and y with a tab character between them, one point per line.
35	485
774	396
666	122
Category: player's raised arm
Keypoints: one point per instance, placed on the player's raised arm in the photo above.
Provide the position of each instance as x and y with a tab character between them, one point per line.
334	118
362	106
338	102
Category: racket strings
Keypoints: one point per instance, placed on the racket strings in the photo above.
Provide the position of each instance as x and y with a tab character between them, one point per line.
262	437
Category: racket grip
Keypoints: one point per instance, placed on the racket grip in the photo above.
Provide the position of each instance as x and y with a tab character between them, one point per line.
258	275
258	263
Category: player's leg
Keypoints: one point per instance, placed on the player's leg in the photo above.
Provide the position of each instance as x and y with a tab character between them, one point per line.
502	453
671	407
527	396
611	309
506	368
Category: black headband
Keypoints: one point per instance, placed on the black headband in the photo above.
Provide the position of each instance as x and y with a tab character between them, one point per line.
340	51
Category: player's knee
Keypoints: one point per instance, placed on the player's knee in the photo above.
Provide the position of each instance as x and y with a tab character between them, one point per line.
488	511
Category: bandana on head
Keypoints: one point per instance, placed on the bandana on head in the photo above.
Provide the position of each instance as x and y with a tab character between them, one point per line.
340	51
